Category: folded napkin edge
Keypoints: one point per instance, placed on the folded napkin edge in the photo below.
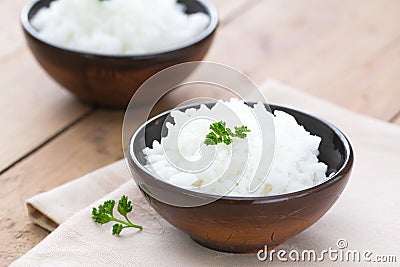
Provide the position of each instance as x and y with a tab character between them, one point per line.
40	217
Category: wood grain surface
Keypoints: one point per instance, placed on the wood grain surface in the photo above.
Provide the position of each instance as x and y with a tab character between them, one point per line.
347	52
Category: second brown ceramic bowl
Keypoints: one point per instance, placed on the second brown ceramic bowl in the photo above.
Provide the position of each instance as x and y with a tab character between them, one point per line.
111	80
246	224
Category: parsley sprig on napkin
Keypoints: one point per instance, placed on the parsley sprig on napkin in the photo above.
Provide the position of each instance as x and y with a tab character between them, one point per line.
104	214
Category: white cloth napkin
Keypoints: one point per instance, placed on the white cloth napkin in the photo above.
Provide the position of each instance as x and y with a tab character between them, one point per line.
367	214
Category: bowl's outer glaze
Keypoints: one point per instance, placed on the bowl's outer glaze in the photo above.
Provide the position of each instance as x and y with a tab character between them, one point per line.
108	81
241	225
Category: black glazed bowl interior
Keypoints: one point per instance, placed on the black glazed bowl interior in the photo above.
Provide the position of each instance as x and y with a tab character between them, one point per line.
111	80
246	224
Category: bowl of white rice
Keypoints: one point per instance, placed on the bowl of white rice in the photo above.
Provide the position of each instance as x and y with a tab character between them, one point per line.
102	51
311	167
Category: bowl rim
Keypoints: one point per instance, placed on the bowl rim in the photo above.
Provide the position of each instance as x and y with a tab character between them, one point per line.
340	174
208	31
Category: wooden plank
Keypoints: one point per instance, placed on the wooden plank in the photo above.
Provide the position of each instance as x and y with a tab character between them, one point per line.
11	32
228	9
344	51
95	142
32	107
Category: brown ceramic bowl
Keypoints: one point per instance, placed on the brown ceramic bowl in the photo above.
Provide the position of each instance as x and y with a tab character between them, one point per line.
246	224
111	80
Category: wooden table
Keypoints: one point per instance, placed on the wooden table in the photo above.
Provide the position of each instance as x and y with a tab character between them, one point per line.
347	52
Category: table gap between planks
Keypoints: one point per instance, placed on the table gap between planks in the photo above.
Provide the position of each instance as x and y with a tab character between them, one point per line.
347	52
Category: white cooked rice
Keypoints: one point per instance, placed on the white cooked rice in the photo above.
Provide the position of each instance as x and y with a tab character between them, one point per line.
295	166
118	26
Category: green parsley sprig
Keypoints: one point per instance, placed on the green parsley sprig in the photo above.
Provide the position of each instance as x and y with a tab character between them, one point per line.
104	214
222	134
